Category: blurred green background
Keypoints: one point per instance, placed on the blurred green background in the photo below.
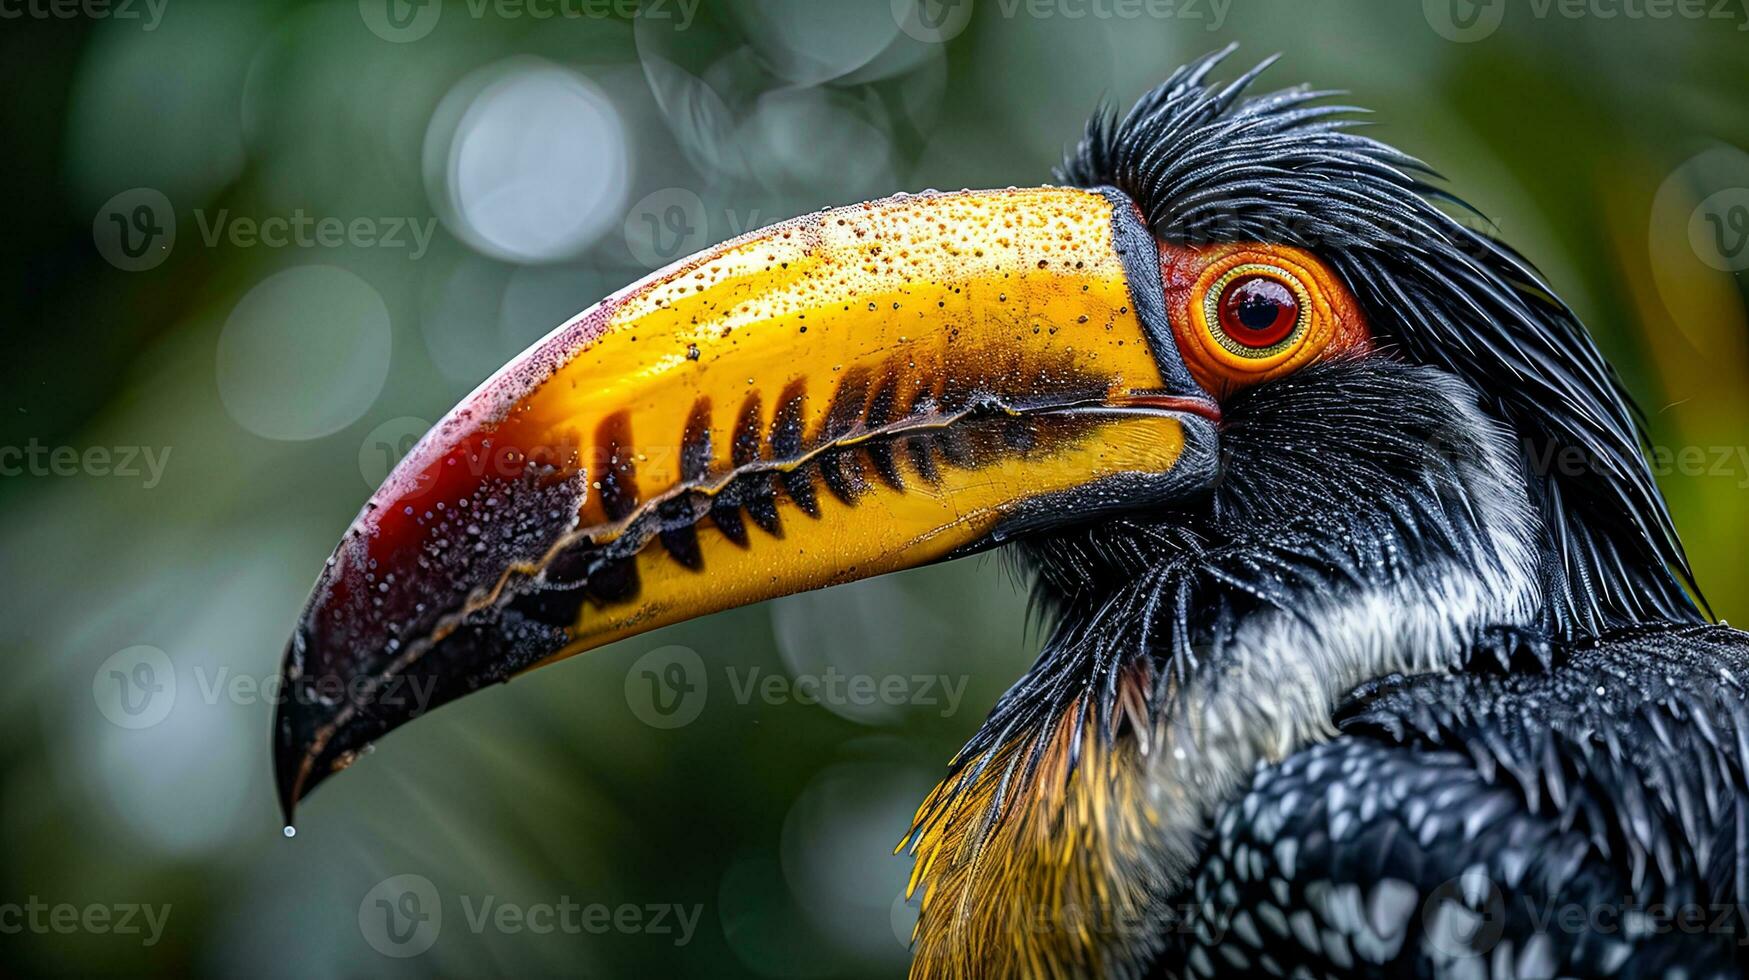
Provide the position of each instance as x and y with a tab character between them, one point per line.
466	176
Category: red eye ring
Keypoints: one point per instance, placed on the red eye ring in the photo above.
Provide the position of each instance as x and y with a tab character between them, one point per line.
1257	311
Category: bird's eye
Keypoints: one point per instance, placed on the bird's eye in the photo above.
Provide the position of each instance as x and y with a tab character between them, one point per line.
1245	313
1258	311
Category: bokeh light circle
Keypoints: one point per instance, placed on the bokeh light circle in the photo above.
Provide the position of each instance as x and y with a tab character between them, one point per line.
837	851
932	21
304	353
136	687
1699	233
135	230
810	42
666	226
386	445
527	161
1718	229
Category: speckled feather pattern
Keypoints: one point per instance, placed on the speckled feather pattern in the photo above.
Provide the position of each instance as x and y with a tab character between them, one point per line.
1590	819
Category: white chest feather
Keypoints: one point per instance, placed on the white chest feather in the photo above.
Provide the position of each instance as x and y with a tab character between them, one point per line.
1271	690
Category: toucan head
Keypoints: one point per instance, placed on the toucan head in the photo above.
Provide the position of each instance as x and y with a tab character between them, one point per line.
1232	378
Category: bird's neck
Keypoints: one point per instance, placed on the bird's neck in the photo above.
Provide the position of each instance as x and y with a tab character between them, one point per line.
1404	575
1401	533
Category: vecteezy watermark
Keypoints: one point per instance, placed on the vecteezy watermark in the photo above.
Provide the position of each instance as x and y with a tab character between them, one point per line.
936	21
1466	917
1718	229
137	687
932	21
1698	226
402	21
33	915
668	687
566	915
1701	461
1544	457
681	12
940	691
1212	13
402	916
386	445
1548	458
673	223
151	12
903	915
301	230
136	230
1465	21
143	463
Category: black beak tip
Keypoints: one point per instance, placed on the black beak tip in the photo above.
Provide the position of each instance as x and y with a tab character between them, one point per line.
303	760
290	760
297	718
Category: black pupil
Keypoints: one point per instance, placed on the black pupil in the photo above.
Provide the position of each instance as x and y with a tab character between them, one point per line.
1258	312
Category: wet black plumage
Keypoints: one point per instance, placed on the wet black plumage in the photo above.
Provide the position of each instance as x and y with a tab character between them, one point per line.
1589	820
1205	165
1590	753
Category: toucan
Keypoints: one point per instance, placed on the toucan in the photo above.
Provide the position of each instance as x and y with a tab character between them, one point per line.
1373	650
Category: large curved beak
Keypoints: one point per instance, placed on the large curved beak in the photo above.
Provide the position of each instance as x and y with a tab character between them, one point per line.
849	393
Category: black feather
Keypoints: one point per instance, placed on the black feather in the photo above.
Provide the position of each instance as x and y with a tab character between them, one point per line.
1206	165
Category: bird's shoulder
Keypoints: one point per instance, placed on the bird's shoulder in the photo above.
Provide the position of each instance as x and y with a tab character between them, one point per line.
1650	709
1584	814
1530	685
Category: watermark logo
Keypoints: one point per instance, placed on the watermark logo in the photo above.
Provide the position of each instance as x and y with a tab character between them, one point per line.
1550	458
150	11
567	915
33	915
932	21
401	916
1213	12
1464	21
303	230
386	445
143	463
942	692
666	225
681	12
1465	916
136	687
666	687
400	21
1718	230
135	230
403	21
904	914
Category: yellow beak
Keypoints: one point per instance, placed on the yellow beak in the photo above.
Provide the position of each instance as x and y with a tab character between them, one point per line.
849	393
